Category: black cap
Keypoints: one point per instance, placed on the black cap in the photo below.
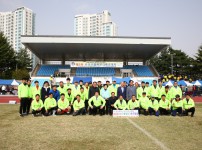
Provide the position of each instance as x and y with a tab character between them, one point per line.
177	96
62	94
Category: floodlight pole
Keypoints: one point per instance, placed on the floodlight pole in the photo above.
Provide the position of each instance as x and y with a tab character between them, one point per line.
171	55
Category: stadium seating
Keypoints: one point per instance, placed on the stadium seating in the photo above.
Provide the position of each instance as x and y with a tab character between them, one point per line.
142	71
48	70
95	72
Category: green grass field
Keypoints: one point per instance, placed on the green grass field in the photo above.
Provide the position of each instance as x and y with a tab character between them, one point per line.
88	132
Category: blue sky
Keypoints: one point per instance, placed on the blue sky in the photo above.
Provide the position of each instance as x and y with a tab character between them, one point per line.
179	19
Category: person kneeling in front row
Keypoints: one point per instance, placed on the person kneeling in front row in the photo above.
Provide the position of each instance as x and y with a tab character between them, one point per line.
98	104
177	106
50	105
164	106
37	106
120	104
63	105
188	105
79	106
153	106
134	104
144	103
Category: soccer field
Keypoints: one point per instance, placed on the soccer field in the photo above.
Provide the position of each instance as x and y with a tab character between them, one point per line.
100	132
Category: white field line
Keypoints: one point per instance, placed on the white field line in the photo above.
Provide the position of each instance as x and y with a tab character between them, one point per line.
159	143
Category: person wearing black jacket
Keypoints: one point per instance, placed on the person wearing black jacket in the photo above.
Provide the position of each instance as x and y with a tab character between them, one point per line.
122	91
45	91
93	89
112	100
91	93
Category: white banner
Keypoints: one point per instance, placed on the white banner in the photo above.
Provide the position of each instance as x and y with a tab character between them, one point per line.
125	113
96	64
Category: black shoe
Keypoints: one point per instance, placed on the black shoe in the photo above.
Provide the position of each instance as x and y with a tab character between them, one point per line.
21	115
192	115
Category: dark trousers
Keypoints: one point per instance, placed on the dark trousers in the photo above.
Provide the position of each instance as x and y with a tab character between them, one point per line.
29	101
34	112
192	110
111	110
86	105
163	111
137	108
107	107
50	111
23	105
152	111
81	111
144	111
96	108
178	110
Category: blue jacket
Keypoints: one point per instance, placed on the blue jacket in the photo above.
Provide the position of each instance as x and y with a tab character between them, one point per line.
56	94
105	93
119	92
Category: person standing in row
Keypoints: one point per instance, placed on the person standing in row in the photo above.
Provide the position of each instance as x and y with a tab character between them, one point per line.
131	90
122	90
30	96
23	95
45	91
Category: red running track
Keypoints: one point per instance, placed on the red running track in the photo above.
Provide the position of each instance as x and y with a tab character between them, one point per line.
7	98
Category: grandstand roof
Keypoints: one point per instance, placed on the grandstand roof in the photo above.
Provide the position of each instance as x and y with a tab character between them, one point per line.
86	48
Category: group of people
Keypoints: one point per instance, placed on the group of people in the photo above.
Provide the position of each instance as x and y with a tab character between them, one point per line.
84	98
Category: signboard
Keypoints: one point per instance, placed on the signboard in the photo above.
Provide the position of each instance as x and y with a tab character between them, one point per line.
96	64
125	113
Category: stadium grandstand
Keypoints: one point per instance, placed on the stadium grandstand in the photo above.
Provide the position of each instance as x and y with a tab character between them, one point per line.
97	57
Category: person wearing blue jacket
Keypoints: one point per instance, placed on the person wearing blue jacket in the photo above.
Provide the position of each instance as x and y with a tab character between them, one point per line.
56	93
105	93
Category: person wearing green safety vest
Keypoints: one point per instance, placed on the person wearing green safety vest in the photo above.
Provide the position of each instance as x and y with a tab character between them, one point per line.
167	93
153	106
164	106
37	106
69	96
68	84
50	105
113	88
154	90
98	104
144	103
141	89
86	91
75	89
177	106
188	105
63	105
175	90
82	94
61	88
134	104
36	89
30	96
23	94
79	107
161	89
120	104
